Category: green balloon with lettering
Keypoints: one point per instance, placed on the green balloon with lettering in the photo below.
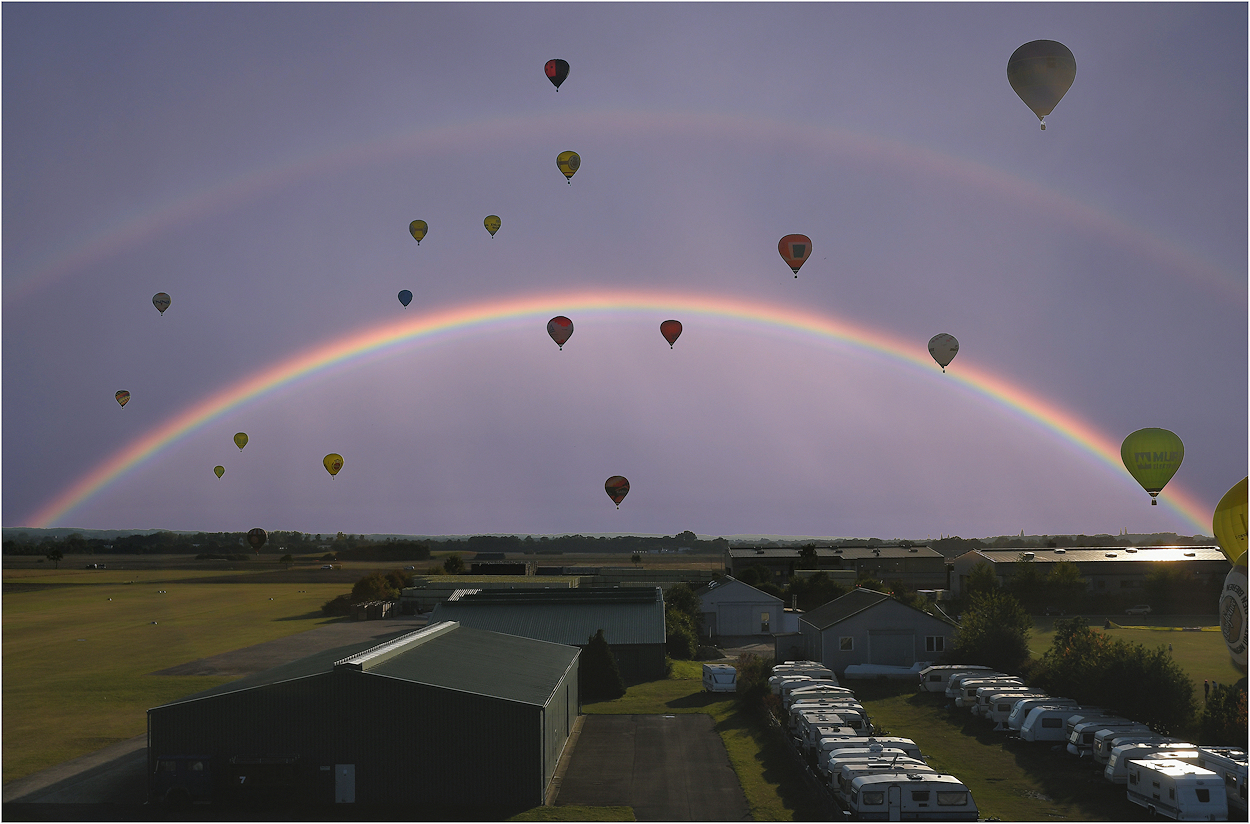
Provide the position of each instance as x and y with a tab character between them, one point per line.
1152	456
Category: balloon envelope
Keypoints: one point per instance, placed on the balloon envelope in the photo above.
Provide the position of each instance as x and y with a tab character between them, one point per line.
671	330
257	537
417	229
556	71
219	471
943	348
569	163
122	396
333	463
405	297
492	224
1041	72
617	488
794	250
1233	603
1152	456
561	329
1229	521
161	301
240	440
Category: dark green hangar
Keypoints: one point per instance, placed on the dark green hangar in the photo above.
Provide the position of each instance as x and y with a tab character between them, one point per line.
446	716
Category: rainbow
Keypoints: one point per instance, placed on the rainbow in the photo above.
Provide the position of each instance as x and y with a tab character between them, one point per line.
375	341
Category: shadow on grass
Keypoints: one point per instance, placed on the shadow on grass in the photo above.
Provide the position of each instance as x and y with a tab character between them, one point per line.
697	700
316	613
777	765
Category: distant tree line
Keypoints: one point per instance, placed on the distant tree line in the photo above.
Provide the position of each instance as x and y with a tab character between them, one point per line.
221	545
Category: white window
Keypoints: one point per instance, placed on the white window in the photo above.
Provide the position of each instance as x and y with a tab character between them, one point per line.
935	643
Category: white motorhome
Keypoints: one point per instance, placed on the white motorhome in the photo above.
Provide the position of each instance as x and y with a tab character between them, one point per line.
1000	705
1047	723
967	695
1081	739
1175	789
1116	770
910	797
1020	710
1229	763
720	678
935	678
829	762
841	783
952	686
1108	739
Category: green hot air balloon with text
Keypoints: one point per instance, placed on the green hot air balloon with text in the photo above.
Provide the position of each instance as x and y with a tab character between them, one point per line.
1041	72
1152	456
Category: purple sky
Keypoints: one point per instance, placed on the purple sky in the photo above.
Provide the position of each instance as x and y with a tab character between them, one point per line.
261	163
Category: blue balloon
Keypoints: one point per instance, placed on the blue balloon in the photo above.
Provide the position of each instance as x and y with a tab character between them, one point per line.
405	297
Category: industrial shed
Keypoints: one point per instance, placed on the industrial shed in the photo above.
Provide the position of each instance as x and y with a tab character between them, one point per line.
869	627
732	608
632	620
446	716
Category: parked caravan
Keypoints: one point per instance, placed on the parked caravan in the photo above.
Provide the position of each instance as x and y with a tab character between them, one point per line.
1000	705
967	695
830	750
935	678
817	690
851	716
788	687
956	680
830	765
1081	739
1176	789
1229	764
720	678
988	695
910	797
1106	740
840	784
1116	770
1020	710
819	731
1048	723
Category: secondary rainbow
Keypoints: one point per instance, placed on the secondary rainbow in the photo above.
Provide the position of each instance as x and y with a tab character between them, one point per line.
375	341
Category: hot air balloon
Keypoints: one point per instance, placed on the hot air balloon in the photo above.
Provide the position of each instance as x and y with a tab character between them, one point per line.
417	229
161	301
617	488
556	71
333	463
1041	72
1229	521
671	330
1152	456
240	440
405	297
561	329
219	471
943	348
795	249
492	224
569	163
122	396
257	538
1233	613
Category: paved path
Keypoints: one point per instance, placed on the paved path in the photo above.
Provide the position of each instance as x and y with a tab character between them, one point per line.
667	767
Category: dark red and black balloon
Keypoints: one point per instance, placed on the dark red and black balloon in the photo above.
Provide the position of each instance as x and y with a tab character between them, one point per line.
556	70
257	538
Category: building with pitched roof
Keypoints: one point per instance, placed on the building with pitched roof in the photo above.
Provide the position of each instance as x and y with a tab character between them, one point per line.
446	716
730	608
869	627
632	620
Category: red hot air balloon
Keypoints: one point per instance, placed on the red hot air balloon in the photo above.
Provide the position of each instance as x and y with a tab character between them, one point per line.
561	329
795	249
122	396
257	538
617	488
671	330
556	71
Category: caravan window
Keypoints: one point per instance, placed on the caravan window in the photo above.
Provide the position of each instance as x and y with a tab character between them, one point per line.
952	798
1204	795
920	795
874	798
1052	723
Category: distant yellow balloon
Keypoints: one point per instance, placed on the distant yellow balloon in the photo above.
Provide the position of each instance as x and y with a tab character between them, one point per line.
492	224
1229	521
1152	456
240	440
417	229
219	470
569	163
333	463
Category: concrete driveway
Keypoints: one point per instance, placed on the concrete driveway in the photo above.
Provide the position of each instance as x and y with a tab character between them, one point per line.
667	767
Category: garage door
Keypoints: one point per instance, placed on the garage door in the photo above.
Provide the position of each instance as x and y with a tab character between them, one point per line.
891	648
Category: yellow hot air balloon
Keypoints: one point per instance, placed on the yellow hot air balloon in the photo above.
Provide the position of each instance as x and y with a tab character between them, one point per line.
1041	72
333	463
569	163
1152	456
1229	521
417	229
219	470
492	224
240	440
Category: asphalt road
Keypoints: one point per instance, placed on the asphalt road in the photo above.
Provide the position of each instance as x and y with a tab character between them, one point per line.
667	767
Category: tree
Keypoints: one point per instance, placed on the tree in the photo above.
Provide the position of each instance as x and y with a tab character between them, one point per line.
55	557
681	621
374	587
1065	585
287	559
636	559
1223	722
814	590
807	557
994	632
599	677
981	580
1027	584
454	565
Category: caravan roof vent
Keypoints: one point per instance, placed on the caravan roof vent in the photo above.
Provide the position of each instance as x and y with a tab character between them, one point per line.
1111	555
913	549
1191	554
1061	551
1028	556
1130	551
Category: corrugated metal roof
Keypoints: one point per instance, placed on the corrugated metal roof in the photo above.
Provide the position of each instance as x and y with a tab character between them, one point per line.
481	662
843	607
1107	553
851	552
628	615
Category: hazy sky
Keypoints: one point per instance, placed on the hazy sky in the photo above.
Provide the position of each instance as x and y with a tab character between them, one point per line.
261	164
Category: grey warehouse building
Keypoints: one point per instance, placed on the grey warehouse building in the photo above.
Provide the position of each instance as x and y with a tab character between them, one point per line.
446	716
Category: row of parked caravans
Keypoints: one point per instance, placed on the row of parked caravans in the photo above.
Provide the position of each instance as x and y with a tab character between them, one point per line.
870	777
1165	775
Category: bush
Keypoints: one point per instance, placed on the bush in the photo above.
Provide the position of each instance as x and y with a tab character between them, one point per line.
454	565
599	677
1223	721
752	679
340	605
680	640
374	587
994	632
